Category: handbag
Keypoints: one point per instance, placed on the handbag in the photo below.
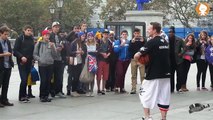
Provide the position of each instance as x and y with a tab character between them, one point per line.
187	57
86	76
34	74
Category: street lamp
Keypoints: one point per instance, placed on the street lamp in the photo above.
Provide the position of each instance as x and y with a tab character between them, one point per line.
110	15
52	10
98	24
60	5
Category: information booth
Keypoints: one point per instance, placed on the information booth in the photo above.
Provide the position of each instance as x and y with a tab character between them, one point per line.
117	27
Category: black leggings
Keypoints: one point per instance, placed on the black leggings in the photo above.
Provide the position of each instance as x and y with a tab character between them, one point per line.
211	74
201	70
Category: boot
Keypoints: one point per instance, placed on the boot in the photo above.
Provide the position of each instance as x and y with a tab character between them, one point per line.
30	95
184	89
68	92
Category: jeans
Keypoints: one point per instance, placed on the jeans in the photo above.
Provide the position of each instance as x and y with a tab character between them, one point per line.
24	71
201	70
58	71
46	76
121	68
5	78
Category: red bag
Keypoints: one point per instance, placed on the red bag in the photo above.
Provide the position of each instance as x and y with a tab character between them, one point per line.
144	59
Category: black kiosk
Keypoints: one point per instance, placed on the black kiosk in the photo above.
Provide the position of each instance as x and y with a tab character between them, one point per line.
124	25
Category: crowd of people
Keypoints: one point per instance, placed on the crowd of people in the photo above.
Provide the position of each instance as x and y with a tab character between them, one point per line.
108	58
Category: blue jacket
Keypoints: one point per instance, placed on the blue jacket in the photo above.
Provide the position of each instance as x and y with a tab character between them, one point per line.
209	54
122	51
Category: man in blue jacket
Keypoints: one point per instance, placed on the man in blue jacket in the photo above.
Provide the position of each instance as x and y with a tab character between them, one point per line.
121	48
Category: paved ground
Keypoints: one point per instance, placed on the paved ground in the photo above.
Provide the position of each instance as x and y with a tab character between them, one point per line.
108	107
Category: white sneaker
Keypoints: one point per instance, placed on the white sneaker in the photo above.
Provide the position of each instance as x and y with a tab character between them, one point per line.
91	94
88	94
60	95
147	118
75	94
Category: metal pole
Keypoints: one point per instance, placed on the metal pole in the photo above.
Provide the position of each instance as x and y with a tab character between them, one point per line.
60	12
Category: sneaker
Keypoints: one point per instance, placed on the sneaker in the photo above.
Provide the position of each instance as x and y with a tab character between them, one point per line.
99	92
24	100
185	89
88	94
50	96
1	105
91	94
147	118
103	92
133	92
116	90
75	94
123	91
7	103
60	95
180	91
204	89
108	90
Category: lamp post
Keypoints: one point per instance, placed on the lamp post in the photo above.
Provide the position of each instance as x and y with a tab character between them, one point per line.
60	5
98	24
52	10
110	15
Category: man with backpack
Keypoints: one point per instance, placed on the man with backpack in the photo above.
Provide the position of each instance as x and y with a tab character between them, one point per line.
23	50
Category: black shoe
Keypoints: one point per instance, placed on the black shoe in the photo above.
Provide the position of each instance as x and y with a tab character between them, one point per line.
68	92
81	92
123	91
30	96
6	103
99	92
103	92
1	105
133	92
45	100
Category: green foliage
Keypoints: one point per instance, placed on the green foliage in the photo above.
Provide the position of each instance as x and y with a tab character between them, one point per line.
17	13
117	8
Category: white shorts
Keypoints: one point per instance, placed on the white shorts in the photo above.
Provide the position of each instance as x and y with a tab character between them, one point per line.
156	91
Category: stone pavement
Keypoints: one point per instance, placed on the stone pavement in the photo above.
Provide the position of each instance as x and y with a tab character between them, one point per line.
108	107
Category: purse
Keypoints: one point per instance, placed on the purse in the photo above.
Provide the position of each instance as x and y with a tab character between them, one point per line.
86	76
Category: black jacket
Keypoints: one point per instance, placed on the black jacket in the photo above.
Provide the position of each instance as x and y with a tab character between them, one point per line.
134	47
24	46
2	58
63	52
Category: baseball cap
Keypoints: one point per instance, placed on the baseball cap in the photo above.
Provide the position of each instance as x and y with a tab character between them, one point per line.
111	32
44	32
55	23
105	31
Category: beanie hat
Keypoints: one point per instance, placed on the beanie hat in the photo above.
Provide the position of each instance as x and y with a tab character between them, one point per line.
44	32
90	34
172	29
80	34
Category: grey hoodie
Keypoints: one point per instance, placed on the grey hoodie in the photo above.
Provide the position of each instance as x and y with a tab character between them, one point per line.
44	54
